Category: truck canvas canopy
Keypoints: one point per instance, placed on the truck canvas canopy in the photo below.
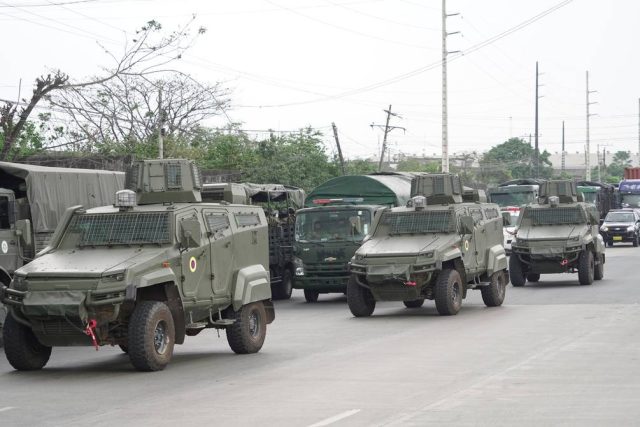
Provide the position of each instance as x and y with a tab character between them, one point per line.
51	190
384	189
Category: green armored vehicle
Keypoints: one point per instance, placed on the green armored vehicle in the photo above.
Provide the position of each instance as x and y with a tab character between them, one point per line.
437	247
559	234
142	274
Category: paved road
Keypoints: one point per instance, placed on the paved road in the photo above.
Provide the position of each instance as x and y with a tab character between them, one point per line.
556	353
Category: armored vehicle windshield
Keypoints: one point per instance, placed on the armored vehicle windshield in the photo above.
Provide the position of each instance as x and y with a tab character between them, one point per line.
118	228
333	225
554	215
416	222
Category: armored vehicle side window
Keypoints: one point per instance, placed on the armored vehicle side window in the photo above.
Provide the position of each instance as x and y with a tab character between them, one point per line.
555	216
417	222
476	214
246	219
491	213
121	228
217	224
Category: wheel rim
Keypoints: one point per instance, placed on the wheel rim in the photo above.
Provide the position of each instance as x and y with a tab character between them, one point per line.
455	293
254	324
161	338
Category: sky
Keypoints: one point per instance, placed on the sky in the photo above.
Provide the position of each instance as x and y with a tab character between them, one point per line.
295	63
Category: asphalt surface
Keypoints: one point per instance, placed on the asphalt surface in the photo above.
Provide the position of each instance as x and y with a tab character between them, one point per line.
555	354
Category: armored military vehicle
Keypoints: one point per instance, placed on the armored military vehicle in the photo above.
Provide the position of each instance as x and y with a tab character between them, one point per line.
559	234
279	203
142	274
337	217
437	247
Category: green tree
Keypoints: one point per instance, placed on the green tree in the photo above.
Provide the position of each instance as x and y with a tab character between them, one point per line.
513	159
414	165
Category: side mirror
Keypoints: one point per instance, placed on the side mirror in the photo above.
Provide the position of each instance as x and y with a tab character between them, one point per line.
466	224
24	233
506	219
190	233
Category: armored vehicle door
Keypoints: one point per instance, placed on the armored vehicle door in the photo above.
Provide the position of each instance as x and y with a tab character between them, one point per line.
9	259
475	244
194	261
222	246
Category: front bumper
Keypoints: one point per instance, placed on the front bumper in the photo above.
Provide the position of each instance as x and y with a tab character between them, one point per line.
618	236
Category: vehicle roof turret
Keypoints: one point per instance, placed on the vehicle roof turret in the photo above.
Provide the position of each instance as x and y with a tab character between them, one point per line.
164	181
437	188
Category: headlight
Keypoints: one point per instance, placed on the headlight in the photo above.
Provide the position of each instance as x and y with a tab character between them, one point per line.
18	283
424	258
115	277
359	257
630	228
604	228
574	239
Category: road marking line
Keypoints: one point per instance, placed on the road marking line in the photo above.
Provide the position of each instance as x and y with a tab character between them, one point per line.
335	418
8	408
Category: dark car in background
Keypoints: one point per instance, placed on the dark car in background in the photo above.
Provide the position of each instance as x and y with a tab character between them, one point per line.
621	225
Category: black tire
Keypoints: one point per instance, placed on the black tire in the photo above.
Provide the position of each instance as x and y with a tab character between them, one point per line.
311	296
23	350
635	241
610	243
448	295
248	332
586	268
124	348
493	295
151	336
598	272
416	303
360	299
516	274
283	289
533	277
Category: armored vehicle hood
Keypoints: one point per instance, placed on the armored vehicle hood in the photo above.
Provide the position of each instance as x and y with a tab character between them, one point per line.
389	246
87	262
552	232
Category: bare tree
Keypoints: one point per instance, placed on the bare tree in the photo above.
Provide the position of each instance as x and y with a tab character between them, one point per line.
150	52
132	108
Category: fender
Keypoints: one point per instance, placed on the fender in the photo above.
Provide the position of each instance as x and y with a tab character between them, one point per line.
497	260
252	284
448	255
152	278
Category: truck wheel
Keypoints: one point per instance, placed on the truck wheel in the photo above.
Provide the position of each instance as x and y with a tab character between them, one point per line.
610	243
360	299
416	303
598	273
248	332
586	268
151	336
283	289
23	350
635	241
515	271
493	295
311	296
533	277
448	292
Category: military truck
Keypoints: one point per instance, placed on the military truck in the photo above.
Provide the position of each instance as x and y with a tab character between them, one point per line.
600	194
337	217
559	234
156	266
437	247
32	201
516	192
279	203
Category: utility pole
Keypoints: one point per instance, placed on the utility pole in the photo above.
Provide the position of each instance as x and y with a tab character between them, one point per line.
387	129
335	135
536	152
161	124
598	160
564	153
638	131
588	157
445	52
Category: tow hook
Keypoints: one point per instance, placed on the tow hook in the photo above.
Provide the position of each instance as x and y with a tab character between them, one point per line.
90	331
564	262
410	283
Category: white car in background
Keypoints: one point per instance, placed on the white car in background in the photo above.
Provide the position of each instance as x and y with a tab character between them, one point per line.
509	231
